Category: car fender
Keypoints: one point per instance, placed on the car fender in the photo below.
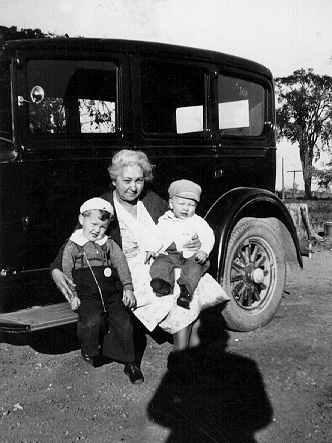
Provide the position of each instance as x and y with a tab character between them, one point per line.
240	203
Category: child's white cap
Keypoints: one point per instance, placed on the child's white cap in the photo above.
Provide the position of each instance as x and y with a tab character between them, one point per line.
97	203
186	189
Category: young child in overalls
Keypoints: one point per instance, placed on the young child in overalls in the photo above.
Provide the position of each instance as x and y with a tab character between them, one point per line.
178	226
103	290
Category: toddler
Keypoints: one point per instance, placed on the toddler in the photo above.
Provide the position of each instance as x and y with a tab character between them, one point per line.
103	289
177	226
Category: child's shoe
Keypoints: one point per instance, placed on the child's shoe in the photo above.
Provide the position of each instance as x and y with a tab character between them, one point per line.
184	297
96	361
160	287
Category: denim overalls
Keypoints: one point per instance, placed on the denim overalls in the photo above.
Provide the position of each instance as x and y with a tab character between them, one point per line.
102	317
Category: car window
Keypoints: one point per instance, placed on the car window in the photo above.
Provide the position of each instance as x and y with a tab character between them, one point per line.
81	97
240	106
173	98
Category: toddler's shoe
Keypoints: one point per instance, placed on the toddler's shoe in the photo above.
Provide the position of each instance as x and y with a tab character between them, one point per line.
184	297
87	358
160	287
96	361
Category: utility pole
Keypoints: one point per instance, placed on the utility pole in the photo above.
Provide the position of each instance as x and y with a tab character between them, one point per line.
294	172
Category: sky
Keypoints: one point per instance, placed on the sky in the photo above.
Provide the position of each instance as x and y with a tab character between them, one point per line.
283	35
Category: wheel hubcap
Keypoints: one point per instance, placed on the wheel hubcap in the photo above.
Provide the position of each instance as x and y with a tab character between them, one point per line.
251	274
258	275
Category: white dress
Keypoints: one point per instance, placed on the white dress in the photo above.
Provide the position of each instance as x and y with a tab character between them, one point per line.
138	236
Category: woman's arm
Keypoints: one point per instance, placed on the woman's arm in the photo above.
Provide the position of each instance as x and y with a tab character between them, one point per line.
64	283
155	205
57	264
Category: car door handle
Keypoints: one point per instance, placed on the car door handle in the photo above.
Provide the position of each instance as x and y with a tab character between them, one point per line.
218	172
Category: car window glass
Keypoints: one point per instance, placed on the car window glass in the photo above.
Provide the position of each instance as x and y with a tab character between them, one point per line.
80	97
173	98
240	106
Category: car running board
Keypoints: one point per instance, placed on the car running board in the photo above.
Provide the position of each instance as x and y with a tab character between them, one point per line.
37	317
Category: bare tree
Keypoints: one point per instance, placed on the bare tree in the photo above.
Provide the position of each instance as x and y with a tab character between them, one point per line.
304	116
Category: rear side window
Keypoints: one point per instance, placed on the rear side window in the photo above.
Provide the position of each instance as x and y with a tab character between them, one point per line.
81	97
240	106
173	98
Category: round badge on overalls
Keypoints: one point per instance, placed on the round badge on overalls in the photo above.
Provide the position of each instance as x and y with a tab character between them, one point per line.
107	272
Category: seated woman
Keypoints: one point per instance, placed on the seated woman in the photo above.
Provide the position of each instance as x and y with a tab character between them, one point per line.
137	211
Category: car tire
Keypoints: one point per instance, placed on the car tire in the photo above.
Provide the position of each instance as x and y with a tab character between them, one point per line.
254	275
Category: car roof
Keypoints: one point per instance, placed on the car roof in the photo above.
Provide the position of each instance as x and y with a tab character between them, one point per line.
138	47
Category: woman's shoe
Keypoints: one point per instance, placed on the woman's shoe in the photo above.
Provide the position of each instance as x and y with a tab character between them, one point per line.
134	373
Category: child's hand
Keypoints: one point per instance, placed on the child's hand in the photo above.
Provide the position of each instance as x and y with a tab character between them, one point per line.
201	257
148	256
129	299
74	302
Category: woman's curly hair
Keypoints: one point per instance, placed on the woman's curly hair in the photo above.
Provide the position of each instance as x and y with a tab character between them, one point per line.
128	157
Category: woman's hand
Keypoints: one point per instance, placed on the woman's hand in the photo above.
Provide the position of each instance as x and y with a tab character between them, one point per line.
129	299
194	244
75	302
64	284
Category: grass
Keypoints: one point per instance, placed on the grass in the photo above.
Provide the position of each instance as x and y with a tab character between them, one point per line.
320	211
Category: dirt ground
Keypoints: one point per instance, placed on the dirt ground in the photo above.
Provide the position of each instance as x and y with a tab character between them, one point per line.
270	385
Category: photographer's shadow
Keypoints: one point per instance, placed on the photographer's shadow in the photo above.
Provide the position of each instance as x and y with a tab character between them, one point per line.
221	399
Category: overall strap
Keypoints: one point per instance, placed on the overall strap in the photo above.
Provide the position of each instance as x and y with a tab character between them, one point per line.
96	281
106	254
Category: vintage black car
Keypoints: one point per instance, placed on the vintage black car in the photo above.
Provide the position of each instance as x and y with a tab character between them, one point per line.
66	105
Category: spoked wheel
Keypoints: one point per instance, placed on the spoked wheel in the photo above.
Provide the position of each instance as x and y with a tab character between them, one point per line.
254	275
